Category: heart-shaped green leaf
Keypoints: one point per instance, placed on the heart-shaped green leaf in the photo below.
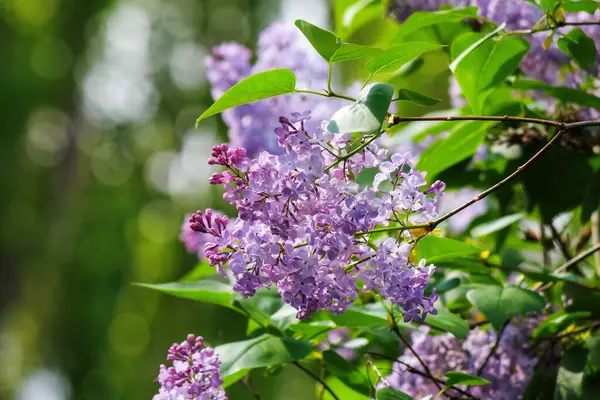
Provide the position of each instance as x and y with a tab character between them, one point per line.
579	46
498	303
331	47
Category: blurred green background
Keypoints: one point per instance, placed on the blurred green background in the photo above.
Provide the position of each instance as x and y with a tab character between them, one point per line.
99	162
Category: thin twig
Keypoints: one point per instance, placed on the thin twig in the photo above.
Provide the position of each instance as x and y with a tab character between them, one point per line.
493	350
596	238
323	377
328	94
417	371
552	27
248	383
316	378
396	330
563	248
578	258
545	253
396	119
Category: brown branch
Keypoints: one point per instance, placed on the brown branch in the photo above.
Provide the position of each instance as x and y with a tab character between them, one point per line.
596	238
578	258
396	330
417	371
316	378
396	119
493	349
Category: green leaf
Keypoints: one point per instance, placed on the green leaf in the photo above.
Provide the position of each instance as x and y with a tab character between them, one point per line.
570	375
589	6
422	19
496	225
593	344
323	41
557	322
362	316
446	284
460	145
417	98
548	5
463	379
472	47
202	270
387	393
487	65
498	304
351	15
255	87
396	56
311	329
448	322
579	46
564	94
331	47
206	291
263	351
435	248
346	372
367	113
350	51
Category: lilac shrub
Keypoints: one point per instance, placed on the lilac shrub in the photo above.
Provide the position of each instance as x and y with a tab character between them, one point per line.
194	373
509	369
302	222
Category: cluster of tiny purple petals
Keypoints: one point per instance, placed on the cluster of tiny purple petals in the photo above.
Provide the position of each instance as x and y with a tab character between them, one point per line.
509	369
281	45
194	374
300	217
195	239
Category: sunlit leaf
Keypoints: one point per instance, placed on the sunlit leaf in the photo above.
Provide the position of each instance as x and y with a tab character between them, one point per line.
435	248
589	6
489	64
253	88
496	225
421	19
331	47
396	56
460	145
206	291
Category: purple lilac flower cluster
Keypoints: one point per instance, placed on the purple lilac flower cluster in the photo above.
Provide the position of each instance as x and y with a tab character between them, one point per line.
194	374
509	369
302	218
451	198
280	45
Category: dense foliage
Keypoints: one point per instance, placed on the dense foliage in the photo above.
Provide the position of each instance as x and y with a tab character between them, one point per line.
341	250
